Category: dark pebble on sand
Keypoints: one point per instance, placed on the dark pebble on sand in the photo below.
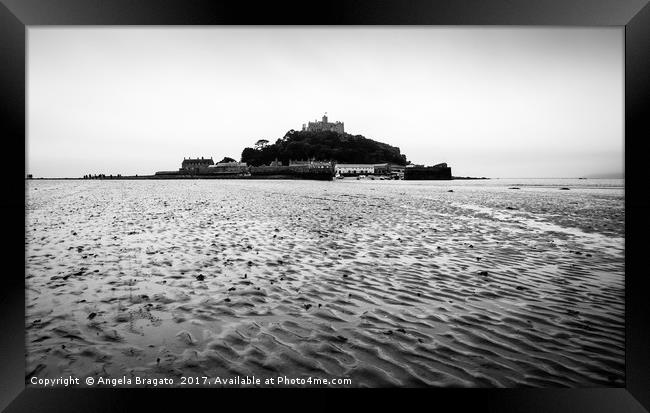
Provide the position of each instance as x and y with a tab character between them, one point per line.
250	263
483	273
451	190
200	277
514	187
307	306
231	289
227	300
564	189
510	208
345	276
401	330
588	255
92	315
520	288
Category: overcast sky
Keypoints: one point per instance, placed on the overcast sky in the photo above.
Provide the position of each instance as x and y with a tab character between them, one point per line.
496	102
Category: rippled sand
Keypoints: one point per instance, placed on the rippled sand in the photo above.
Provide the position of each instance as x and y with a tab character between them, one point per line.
388	283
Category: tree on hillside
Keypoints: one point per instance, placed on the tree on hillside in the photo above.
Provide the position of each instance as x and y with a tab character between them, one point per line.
261	144
322	146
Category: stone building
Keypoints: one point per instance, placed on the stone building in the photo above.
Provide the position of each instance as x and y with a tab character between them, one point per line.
323	125
237	168
230	164
196	163
388	168
435	172
311	162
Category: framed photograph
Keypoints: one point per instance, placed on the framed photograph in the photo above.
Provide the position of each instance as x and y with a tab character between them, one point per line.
373	197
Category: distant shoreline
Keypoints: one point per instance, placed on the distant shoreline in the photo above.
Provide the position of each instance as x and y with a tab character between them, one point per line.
144	177
456	178
181	177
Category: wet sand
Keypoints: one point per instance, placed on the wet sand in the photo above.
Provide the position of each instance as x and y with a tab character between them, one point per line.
388	283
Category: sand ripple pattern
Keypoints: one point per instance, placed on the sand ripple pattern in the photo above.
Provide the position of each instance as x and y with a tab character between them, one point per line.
385	283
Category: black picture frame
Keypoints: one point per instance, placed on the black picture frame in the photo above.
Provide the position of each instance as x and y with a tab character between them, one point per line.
17	15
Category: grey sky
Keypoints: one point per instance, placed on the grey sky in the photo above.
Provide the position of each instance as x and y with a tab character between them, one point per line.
497	102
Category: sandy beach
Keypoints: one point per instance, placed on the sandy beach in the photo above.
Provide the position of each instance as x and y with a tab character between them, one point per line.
387	283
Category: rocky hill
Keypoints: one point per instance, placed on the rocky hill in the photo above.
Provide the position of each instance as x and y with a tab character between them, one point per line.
322	146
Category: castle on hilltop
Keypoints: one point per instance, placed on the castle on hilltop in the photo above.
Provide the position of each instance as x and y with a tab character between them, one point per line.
324	125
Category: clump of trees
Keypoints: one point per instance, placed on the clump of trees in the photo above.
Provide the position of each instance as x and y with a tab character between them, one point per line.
322	146
226	160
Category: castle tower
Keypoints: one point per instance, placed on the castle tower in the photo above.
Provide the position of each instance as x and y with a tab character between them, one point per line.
325	118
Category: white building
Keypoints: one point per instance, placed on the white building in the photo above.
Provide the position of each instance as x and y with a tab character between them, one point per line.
223	164
354	168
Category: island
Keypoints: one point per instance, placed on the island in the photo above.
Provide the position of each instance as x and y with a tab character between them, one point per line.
321	150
